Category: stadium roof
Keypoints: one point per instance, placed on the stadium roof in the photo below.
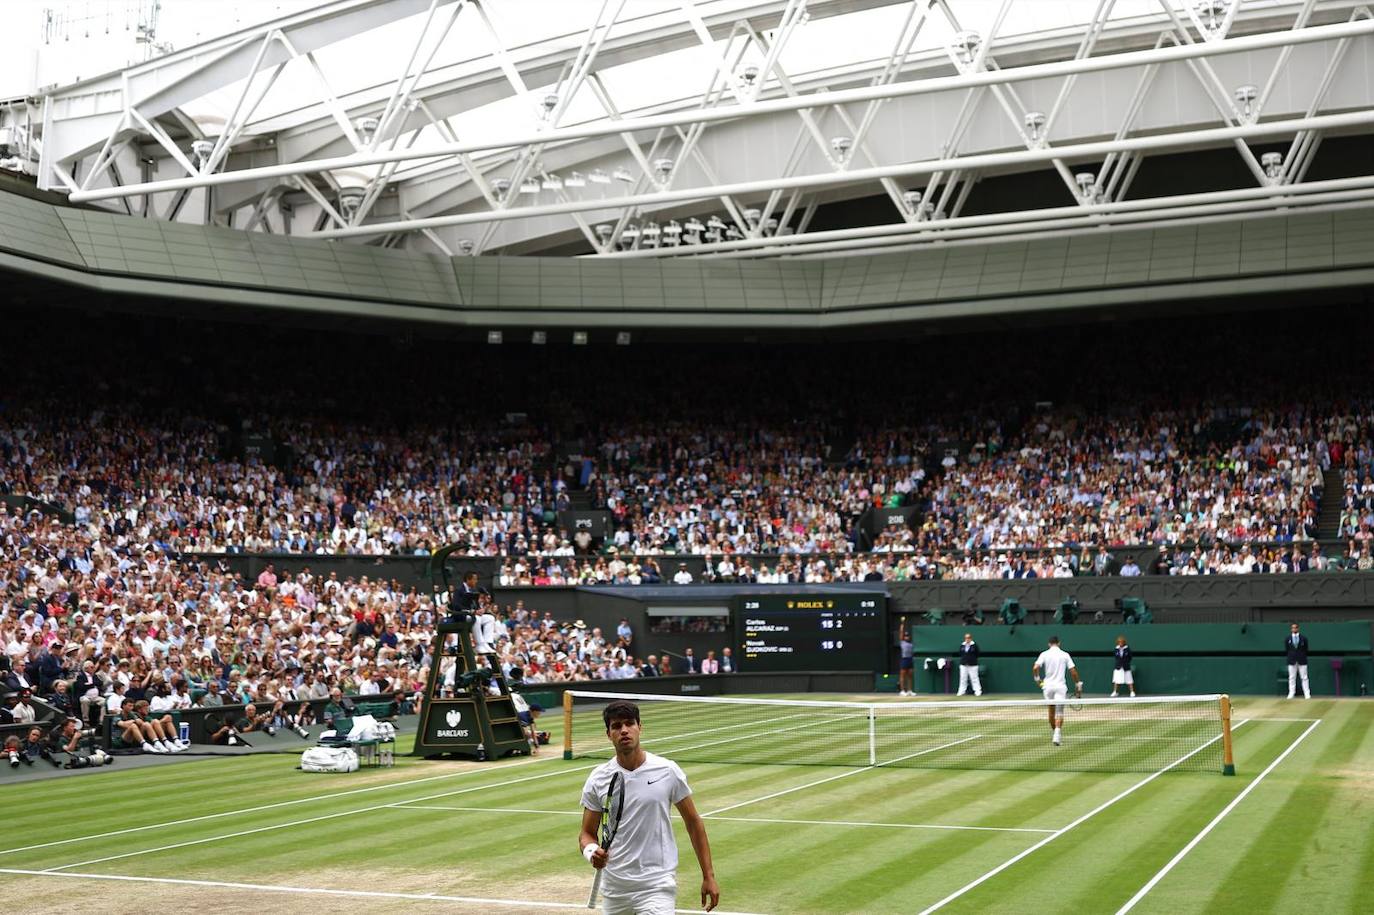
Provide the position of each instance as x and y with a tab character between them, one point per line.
722	128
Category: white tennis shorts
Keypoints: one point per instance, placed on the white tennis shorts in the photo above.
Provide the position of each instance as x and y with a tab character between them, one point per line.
1057	694
1120	677
646	902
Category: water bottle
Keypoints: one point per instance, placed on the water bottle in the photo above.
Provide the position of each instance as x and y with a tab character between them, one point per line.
185	732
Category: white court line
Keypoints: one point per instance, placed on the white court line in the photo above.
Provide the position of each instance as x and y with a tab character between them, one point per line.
557	813
1215	820
885	825
769	797
319	797
577	813
1059	832
313	891
301	800
327	816
375	807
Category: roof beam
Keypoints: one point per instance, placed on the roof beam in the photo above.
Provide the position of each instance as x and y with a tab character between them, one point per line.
797	103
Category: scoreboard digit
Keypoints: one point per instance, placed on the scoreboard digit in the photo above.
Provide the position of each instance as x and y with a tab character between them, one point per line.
834	631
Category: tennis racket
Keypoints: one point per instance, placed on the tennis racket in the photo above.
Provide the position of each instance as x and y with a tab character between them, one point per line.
1076	699
611	808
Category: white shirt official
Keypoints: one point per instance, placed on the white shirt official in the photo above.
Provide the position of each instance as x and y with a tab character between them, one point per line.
643	854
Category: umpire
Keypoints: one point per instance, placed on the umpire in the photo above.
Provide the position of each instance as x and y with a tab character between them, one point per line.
1296	648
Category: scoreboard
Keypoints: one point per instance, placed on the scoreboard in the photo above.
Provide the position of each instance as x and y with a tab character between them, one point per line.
831	631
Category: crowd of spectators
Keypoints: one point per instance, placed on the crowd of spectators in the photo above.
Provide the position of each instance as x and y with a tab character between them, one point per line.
118	599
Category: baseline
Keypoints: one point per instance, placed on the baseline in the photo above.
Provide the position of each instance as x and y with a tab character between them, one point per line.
1193	843
314	891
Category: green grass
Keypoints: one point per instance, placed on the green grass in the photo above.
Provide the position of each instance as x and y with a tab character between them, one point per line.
1302	840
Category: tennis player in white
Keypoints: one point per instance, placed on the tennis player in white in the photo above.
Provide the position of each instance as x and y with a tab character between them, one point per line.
640	869
1056	662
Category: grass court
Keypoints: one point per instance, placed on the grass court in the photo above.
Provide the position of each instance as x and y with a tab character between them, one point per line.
1292	832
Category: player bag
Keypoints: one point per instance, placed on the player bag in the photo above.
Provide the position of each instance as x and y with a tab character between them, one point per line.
329	759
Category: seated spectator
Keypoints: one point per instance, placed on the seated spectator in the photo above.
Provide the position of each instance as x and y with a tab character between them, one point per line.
152	735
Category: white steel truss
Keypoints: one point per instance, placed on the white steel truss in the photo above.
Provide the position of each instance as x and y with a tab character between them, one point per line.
741	167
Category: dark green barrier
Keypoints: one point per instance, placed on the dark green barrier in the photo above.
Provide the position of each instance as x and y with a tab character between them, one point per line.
1244	659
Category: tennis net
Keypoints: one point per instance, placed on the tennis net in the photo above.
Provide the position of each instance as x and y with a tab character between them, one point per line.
1188	733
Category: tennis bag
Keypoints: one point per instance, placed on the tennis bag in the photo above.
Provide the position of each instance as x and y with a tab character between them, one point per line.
329	759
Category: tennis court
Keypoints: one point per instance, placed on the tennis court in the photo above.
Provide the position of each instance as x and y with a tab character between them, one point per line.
1294	831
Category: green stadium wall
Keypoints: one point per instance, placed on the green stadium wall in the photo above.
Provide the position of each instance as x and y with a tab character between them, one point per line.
1246	659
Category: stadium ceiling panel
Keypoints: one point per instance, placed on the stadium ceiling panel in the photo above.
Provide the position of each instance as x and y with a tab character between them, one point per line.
718	128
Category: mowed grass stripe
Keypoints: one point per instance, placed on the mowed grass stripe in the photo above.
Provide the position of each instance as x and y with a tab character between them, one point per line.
279	819
1273	837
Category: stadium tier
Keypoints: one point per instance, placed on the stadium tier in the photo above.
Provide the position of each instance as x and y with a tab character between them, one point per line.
1184	733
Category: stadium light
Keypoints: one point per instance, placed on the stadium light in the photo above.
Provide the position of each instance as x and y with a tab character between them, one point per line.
599	176
576	179
494	337
841	146
663	169
529	186
552	182
1273	165
350	198
965	46
539	337
623	174
550	103
502	187
912	199
1086	184
1245	98
749	75
465	247
603	231
202	149
1035	123
622	338
367	130
579	338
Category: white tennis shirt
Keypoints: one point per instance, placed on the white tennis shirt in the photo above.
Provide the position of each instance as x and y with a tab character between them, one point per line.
1054	666
643	853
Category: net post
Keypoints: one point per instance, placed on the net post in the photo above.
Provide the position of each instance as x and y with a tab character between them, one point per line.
1228	762
567	724
872	735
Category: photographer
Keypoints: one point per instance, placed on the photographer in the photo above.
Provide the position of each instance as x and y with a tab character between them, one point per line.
14	752
252	720
31	747
63	741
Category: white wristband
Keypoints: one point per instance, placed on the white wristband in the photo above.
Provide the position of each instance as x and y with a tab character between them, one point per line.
590	849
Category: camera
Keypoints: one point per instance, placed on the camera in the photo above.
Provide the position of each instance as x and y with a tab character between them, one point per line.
47	754
270	731
18	756
300	729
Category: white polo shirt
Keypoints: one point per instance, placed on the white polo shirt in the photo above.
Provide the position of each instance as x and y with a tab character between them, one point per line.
643	853
1054	666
